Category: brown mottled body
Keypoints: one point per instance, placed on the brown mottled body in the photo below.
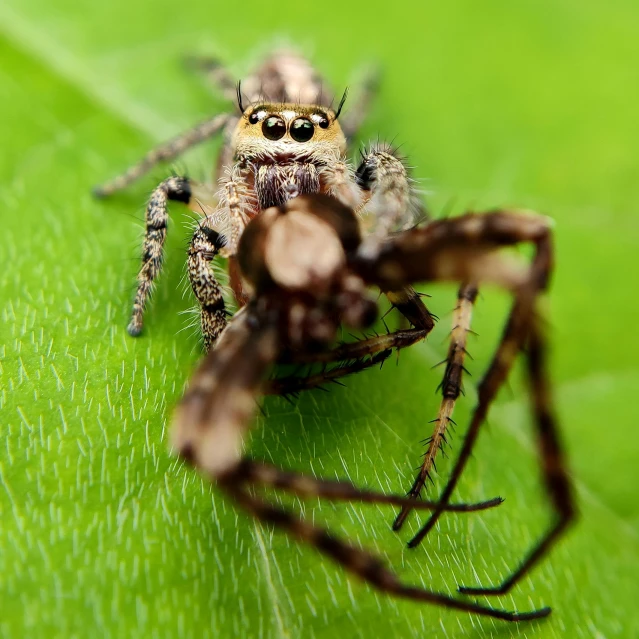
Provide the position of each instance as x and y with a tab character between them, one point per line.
306	234
300	295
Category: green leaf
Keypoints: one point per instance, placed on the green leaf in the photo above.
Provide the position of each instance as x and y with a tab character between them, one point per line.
102	532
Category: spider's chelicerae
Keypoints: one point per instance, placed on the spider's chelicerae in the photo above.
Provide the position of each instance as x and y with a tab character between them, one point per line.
306	236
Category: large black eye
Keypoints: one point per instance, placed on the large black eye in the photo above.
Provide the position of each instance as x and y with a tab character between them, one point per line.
302	130
274	127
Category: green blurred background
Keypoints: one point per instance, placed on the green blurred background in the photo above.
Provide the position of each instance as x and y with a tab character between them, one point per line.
102	533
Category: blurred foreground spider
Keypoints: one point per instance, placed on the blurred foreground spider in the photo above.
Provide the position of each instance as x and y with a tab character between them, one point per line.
306	235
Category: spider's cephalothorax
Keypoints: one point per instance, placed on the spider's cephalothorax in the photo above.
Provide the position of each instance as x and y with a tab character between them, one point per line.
285	148
306	235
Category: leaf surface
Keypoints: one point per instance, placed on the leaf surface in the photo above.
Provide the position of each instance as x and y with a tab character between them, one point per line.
102	532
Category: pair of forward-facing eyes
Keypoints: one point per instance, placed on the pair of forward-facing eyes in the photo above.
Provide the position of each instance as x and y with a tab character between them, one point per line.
302	128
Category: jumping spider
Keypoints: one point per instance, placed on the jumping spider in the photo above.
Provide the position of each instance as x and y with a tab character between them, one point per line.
306	236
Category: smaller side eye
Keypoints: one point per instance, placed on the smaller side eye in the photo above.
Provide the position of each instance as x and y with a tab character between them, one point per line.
323	122
302	130
274	127
254	118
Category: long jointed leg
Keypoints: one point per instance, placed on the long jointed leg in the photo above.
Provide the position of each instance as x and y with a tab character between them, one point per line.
351	358
258	473
451	388
356	350
512	340
357	561
209	428
177	189
553	464
164	153
205	245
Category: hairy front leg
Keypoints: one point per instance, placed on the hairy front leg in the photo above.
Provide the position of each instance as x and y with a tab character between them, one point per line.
205	246
177	189
238	204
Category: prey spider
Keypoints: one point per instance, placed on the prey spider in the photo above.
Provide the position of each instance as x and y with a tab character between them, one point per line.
306	235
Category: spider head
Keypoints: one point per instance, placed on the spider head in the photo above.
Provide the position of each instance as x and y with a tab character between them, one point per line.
295	257
287	131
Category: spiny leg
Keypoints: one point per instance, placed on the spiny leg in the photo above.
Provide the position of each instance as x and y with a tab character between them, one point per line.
356	350
553	462
451	389
354	357
177	189
216	73
410	304
512	339
205	245
163	153
359	562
